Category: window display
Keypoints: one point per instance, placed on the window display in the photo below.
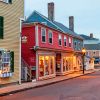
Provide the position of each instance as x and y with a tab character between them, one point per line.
5	63
67	64
46	65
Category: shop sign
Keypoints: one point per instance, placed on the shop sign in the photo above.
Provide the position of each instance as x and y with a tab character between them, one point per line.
24	39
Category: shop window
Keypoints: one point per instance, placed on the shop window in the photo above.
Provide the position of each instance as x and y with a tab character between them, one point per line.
41	66
43	34
1	27
70	42
65	41
6	63
50	36
46	65
60	39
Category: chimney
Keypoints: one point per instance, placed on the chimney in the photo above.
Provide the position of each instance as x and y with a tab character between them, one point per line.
51	11
91	35
71	23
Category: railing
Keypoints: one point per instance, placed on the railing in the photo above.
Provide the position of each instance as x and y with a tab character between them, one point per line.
26	71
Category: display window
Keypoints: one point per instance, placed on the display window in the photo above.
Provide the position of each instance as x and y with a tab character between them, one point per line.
6	65
67	64
46	65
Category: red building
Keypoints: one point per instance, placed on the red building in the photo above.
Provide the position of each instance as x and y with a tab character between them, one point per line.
47	51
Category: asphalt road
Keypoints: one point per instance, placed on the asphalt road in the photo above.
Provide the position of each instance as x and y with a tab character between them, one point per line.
82	88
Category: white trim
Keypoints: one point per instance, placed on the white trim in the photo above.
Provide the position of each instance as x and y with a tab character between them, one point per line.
37	67
41	34
21	19
36	35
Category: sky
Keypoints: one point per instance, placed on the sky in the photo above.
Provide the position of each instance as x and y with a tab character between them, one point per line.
86	13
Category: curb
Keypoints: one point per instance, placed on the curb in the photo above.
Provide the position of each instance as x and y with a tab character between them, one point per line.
42	85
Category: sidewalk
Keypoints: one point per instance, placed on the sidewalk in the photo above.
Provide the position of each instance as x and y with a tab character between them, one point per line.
30	85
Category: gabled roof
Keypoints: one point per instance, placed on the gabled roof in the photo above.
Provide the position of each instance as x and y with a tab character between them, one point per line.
85	37
37	17
92	46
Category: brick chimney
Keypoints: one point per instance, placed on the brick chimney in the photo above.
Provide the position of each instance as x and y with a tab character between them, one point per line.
91	35
51	11
71	23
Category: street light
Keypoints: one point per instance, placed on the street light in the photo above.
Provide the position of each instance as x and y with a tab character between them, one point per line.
83	52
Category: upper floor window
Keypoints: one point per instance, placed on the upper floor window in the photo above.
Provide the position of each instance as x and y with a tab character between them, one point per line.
65	41
7	1
79	46
43	34
60	39
50	36
75	44
69	42
1	27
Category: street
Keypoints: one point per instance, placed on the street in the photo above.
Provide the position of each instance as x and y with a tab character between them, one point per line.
82	88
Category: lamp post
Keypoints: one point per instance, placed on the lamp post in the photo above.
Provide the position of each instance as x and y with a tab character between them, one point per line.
83	53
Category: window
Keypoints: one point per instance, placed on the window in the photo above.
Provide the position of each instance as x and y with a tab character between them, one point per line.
65	39
43	33
1	27
75	44
79	46
60	39
6	63
50	37
7	1
69	42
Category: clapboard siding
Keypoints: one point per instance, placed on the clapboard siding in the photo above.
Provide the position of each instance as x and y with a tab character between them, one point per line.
12	14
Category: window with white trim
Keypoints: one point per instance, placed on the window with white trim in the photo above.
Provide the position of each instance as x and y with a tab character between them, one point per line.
69	42
7	1
65	41
50	36
60	39
43	34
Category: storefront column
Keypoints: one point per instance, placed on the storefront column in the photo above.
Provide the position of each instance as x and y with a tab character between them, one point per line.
61	63
37	66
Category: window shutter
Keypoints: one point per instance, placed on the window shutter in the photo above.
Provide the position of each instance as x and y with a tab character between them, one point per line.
12	61
10	1
1	27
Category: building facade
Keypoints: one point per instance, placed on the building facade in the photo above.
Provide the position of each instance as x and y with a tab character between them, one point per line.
92	46
48	47
10	13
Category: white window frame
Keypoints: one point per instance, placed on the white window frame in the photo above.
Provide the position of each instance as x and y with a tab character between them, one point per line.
60	37
65	40
49	37
69	40
42	35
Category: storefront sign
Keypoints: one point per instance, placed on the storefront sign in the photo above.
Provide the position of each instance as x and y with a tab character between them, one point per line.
4	75
24	39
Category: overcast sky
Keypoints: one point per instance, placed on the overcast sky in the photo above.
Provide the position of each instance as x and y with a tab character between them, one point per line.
86	13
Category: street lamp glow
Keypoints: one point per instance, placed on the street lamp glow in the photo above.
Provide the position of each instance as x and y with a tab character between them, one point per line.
83	50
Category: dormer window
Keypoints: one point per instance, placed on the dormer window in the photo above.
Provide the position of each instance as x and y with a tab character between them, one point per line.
43	35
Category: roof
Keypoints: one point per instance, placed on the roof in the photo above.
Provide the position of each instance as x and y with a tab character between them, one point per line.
85	37
67	30
92	46
37	17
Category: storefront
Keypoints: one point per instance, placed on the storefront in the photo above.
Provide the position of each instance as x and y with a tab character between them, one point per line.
6	64
46	65
64	63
